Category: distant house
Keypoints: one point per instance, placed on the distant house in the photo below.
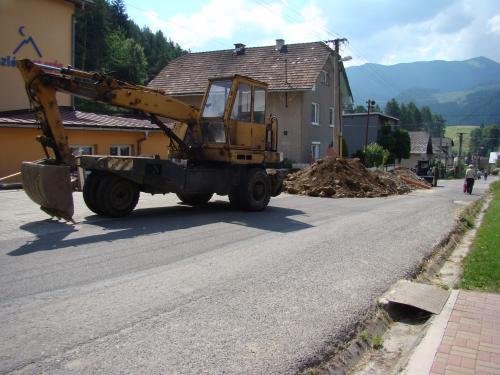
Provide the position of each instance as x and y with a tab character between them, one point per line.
357	127
421	149
300	79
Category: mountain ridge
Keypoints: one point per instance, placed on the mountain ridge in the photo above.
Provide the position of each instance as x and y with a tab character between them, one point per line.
462	91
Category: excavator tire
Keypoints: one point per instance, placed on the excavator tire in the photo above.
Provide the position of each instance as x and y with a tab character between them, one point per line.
90	192
117	196
253	193
194	199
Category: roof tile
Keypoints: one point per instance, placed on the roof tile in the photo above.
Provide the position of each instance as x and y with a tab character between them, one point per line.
79	119
296	69
419	142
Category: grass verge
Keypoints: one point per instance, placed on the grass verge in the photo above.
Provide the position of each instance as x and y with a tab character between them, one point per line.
482	264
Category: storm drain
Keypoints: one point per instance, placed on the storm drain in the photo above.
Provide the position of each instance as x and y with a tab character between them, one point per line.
407	301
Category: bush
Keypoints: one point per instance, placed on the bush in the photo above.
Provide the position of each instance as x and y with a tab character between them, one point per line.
375	155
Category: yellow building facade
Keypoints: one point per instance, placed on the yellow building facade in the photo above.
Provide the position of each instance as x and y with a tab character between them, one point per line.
42	30
100	141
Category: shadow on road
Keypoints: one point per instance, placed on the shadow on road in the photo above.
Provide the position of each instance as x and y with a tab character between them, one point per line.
156	220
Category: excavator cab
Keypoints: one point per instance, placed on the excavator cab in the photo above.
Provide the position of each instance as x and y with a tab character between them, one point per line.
233	117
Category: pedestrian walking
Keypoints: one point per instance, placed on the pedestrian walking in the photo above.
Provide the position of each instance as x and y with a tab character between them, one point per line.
470	177
485	175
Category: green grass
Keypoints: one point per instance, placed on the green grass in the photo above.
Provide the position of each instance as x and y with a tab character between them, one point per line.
377	342
482	264
452	132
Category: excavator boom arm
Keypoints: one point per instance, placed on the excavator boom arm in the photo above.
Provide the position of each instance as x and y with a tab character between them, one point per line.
42	83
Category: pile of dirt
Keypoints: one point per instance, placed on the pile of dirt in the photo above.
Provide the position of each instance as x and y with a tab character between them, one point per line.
410	178
331	177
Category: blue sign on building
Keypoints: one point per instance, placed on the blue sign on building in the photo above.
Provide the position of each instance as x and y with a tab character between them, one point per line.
10	60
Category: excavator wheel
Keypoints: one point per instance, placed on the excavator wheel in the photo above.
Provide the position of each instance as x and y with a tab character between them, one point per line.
117	196
194	199
253	193
90	192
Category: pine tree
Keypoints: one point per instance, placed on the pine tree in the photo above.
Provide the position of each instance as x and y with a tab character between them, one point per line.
126	58
414	117
118	17
100	29
404	117
392	109
402	145
91	30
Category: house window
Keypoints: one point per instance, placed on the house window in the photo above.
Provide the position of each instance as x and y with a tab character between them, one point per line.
330	117
78	150
315	114
324	78
120	150
315	150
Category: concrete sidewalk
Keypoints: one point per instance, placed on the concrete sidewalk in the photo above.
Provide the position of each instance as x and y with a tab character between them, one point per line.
463	339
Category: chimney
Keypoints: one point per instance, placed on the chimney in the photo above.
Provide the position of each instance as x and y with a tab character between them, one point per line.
280	45
239	48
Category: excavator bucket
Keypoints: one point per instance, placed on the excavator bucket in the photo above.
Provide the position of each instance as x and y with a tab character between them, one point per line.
50	187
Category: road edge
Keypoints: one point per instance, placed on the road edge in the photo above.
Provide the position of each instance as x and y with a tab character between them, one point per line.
343	356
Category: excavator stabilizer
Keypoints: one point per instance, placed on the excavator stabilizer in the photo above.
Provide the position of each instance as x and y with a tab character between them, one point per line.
50	187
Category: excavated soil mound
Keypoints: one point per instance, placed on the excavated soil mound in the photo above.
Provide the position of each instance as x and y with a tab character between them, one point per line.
410	178
331	177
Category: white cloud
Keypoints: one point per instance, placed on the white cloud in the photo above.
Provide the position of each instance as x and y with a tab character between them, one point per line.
457	32
494	24
222	21
387	33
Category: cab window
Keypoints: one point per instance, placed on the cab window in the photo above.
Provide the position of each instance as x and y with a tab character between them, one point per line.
216	100
242	107
259	106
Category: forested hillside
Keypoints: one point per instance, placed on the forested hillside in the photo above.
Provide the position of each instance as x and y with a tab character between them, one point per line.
463	92
108	41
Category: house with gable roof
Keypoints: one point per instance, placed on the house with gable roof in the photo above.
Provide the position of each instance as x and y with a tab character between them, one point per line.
300	91
421	149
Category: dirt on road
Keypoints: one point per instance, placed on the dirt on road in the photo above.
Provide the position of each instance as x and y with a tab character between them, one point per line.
336	178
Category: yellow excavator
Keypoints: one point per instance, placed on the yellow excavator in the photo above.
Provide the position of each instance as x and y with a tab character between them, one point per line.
222	148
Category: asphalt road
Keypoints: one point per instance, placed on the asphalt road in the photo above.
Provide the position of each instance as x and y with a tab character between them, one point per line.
175	289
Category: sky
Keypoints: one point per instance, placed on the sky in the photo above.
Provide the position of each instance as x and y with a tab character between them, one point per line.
378	31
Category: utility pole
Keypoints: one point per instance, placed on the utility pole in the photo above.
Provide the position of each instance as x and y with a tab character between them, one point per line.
370	103
337	108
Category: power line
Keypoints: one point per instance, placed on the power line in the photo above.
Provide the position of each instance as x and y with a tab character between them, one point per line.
298	12
292	21
295	22
179	25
